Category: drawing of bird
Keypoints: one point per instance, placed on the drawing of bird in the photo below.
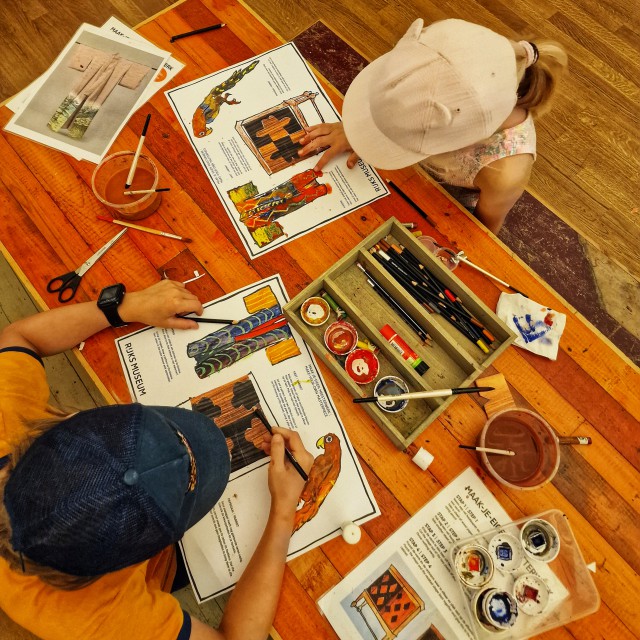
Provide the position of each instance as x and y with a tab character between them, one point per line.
322	476
209	108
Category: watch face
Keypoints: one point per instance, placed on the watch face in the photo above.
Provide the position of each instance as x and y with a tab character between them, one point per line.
112	295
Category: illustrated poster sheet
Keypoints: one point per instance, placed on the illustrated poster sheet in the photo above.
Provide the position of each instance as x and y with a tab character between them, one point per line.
416	559
224	371
245	123
80	105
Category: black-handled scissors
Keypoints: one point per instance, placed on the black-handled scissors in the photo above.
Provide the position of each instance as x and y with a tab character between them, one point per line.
67	284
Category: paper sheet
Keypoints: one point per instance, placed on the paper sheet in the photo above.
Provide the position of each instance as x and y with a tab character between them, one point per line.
37	104
281	375
418	553
244	124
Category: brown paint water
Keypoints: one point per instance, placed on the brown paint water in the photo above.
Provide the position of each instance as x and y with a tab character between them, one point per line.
536	452
142	205
114	189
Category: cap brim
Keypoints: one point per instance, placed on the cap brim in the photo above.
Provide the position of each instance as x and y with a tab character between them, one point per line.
363	134
211	454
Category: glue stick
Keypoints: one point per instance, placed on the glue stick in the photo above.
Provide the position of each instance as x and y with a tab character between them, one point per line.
404	350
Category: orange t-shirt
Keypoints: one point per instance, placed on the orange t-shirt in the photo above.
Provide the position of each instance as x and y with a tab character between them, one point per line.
129	603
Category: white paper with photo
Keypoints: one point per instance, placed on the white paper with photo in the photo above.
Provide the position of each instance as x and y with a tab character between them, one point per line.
97	121
283	377
119	29
417	555
244	124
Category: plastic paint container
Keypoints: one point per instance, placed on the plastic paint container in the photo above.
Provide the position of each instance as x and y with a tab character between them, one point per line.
315	311
110	176
540	540
391	386
362	366
531	593
474	566
496	610
535	444
340	337
506	552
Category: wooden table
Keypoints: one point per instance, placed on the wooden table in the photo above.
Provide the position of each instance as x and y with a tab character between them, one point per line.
48	225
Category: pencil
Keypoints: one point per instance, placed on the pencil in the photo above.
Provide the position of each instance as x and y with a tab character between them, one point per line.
412	203
258	412
197	31
140	191
207	320
377	287
418	395
500	452
155	232
134	164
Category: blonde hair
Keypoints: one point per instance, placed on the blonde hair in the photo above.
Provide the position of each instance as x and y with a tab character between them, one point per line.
16	561
538	82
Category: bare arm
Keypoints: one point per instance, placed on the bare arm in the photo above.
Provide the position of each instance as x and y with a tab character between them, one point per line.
330	135
54	331
501	183
252	606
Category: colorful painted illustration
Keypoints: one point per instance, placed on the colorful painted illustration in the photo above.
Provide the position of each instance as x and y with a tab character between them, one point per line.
322	477
208	110
393	602
230	407
274	135
260	212
234	342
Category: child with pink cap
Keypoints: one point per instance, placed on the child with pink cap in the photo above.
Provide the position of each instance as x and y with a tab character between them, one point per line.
457	98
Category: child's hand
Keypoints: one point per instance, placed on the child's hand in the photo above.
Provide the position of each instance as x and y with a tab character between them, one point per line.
329	135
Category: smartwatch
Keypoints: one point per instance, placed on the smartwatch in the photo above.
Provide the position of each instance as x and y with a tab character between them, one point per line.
109	301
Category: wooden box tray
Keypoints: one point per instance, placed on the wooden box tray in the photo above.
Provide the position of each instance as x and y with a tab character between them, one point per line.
453	359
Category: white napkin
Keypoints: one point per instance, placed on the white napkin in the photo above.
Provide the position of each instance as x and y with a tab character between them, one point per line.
538	328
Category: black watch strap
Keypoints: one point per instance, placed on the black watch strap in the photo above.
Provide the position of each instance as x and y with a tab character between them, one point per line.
109	301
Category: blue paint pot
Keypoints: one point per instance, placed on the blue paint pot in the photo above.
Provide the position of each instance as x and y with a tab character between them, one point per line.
391	386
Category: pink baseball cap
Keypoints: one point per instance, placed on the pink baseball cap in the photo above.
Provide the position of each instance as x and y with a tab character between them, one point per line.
440	88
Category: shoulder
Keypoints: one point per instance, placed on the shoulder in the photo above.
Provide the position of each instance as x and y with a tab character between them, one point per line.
510	173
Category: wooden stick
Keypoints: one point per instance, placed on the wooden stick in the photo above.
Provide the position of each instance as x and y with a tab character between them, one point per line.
499	452
134	164
155	232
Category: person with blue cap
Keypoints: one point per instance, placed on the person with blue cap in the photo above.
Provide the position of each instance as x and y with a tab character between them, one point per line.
93	502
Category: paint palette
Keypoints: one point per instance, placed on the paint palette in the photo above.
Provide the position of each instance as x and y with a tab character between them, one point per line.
523	578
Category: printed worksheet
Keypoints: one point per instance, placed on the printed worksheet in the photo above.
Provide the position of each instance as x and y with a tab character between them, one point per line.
407	588
252	358
245	124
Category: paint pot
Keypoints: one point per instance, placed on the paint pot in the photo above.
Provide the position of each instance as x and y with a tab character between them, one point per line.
362	366
391	386
535	444
506	552
473	566
496	610
341	337
531	593
540	540
108	184
315	311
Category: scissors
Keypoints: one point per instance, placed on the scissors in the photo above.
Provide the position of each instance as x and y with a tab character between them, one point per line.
67	284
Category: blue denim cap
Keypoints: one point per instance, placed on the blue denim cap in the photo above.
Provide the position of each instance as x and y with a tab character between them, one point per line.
109	487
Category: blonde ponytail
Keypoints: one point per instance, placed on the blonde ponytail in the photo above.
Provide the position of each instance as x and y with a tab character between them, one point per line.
540	80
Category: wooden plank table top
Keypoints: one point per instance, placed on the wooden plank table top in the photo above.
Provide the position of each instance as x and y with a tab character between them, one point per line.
48	225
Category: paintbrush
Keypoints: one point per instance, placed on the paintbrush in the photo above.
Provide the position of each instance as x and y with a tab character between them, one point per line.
208	320
134	164
418	395
155	232
499	452
258	412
